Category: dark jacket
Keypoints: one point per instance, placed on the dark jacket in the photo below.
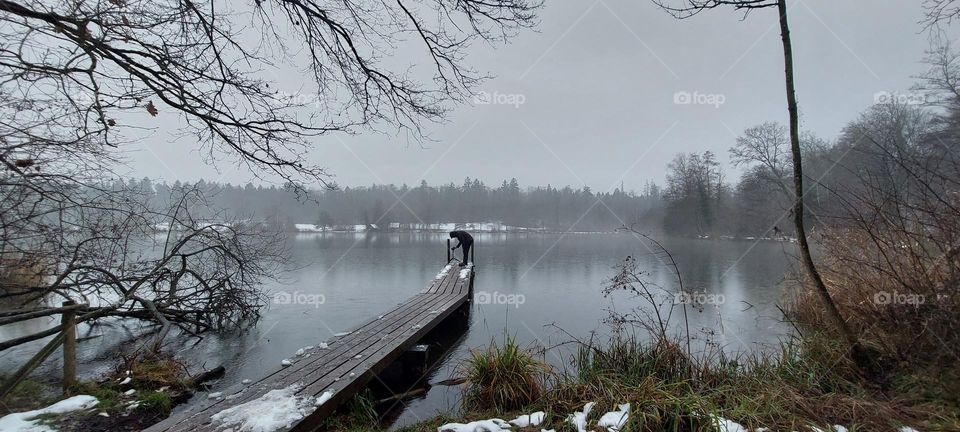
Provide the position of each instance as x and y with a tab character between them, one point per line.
462	236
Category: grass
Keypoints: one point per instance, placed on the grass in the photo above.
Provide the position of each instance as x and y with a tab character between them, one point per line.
153	377
156	401
809	382
27	395
152	371
360	415
503	376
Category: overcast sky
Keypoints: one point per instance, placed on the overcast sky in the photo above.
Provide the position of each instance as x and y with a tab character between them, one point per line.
600	81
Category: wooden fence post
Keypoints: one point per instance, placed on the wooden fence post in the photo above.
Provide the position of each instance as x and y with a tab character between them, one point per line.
69	321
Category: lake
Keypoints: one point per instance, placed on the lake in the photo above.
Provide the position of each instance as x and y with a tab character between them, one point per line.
532	285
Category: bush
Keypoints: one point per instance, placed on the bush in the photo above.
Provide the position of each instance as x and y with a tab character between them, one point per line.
899	295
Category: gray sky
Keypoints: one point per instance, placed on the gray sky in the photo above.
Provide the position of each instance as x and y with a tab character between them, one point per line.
598	82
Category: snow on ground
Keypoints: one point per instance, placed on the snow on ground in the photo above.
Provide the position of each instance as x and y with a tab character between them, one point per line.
834	428
27	421
724	425
614	420
275	410
492	425
533	419
309	228
466	271
579	418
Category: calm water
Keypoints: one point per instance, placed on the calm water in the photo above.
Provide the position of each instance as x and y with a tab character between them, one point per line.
558	278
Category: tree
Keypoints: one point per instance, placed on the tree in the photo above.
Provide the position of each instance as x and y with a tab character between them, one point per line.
693	192
81	79
689	8
940	11
75	68
767	145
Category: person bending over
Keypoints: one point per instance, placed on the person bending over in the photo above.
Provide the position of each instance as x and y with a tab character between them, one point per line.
464	240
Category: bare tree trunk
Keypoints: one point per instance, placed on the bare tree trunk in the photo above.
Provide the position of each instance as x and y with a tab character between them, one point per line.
809	266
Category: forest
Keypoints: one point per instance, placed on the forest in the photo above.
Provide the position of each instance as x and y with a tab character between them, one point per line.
698	197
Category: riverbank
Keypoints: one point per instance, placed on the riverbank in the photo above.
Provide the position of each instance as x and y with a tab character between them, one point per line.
140	391
629	385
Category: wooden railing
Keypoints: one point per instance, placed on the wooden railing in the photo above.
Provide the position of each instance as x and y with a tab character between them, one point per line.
67	336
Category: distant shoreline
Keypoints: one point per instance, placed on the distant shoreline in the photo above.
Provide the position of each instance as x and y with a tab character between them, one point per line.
472	227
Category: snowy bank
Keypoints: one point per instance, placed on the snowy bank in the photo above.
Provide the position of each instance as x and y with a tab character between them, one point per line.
28	421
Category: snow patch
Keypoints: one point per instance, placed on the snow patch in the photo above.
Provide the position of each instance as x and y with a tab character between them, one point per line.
323	398
275	410
533	419
614	420
579	419
725	425
443	273
27	421
285	362
491	425
309	228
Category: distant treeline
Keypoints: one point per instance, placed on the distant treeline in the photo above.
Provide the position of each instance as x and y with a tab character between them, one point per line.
549	207
696	199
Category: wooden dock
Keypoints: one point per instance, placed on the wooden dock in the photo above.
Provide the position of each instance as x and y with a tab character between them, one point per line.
349	362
